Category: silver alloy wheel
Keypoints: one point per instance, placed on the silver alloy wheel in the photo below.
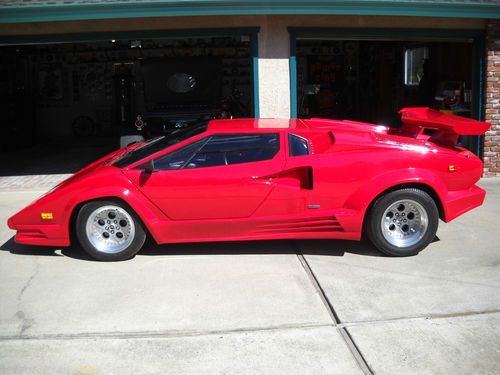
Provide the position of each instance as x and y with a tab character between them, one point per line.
110	229
404	223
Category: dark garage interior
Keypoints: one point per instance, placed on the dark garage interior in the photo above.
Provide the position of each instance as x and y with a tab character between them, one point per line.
66	104
369	81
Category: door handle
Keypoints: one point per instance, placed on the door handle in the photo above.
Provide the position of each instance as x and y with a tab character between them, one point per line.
304	176
255	178
266	177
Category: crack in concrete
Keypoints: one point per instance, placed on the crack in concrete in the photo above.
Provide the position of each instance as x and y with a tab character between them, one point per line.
162	334
25	322
342	327
418	317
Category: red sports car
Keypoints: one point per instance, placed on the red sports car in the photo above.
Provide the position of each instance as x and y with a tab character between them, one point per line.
256	179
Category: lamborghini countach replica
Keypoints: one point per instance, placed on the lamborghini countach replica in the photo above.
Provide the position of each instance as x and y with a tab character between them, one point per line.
261	179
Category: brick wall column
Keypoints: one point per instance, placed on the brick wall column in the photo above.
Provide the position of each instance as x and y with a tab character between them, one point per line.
492	97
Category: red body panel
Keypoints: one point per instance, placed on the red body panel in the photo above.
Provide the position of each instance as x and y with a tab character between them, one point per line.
210	193
321	195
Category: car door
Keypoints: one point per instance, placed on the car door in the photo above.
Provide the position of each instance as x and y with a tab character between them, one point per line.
294	185
223	176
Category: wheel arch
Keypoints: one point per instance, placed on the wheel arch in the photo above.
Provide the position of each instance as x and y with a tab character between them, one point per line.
140	214
363	198
409	185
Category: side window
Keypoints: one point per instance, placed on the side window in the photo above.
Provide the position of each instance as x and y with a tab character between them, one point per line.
206	159
251	148
177	159
235	149
298	145
221	150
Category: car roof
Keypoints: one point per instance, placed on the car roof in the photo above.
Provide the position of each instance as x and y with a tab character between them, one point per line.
255	124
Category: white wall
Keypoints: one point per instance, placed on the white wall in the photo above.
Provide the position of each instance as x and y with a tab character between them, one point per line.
274	70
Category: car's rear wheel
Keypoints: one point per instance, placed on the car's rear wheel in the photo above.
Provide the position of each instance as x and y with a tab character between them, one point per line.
403	222
109	231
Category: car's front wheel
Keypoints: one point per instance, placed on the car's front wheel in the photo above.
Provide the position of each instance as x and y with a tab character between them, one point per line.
109	231
403	222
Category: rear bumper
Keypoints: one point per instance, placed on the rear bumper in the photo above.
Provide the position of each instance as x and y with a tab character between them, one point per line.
40	235
461	201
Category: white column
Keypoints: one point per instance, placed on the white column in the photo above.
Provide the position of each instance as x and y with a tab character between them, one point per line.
274	70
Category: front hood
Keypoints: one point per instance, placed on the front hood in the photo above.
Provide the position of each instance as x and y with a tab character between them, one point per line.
95	177
106	160
93	167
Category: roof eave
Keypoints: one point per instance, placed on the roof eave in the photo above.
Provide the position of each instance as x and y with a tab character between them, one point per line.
73	12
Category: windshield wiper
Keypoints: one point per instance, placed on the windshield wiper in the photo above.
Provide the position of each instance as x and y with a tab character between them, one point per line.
127	146
147	143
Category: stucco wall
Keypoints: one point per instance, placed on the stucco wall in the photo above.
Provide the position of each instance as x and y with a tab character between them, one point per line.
274	70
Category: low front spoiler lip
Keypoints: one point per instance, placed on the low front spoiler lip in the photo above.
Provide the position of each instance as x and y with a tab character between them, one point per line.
37	239
40	235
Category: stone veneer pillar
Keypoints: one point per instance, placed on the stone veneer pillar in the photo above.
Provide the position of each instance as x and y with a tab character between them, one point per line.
492	97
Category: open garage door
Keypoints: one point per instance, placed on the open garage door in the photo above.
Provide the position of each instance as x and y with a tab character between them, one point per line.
369	78
68	102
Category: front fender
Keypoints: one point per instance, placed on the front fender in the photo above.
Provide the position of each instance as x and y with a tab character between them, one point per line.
142	206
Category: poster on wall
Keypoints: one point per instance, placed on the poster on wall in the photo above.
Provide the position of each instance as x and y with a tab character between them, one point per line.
52	85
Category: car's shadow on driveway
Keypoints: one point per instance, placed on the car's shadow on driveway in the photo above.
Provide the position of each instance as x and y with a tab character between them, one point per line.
307	247
20	249
319	247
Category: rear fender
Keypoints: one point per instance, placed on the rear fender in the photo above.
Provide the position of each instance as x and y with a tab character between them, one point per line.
361	199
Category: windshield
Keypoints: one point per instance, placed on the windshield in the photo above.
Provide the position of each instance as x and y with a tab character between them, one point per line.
157	144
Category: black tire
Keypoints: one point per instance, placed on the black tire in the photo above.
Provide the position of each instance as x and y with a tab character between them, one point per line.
130	246
388	222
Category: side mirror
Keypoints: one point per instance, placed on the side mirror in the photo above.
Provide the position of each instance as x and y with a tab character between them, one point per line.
149	167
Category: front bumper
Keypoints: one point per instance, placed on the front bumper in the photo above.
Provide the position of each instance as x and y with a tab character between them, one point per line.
40	235
459	202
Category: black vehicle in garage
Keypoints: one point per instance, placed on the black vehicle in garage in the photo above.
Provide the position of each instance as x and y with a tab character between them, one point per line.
178	92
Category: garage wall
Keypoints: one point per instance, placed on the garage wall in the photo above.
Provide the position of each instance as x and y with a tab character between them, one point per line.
274	40
162	23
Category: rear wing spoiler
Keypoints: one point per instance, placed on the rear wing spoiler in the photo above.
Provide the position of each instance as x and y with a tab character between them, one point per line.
447	127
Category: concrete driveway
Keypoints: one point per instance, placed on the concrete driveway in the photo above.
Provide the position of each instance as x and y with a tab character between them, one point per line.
322	307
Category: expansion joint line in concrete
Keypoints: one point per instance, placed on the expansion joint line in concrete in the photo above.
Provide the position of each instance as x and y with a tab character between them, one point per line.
417	318
358	356
160	334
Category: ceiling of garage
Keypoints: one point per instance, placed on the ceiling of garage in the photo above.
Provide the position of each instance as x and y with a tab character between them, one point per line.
13	11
